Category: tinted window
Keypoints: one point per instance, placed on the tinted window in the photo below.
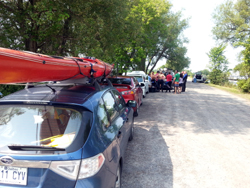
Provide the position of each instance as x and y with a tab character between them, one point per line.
110	105
38	125
102	115
126	81
119	100
139	78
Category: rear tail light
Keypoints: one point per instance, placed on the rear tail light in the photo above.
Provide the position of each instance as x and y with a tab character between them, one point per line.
91	166
78	168
68	169
127	92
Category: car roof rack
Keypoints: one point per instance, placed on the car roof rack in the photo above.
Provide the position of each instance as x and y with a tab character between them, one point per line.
81	81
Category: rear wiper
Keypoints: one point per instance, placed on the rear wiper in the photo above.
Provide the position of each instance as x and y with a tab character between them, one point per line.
34	148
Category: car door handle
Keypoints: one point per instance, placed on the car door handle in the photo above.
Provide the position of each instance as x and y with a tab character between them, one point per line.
119	134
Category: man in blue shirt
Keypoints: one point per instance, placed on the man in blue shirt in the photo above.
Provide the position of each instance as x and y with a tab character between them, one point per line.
184	81
149	78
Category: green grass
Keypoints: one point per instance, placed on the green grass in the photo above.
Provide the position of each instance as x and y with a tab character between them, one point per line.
234	91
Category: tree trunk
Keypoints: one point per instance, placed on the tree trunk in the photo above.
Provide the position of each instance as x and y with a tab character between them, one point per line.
142	64
65	36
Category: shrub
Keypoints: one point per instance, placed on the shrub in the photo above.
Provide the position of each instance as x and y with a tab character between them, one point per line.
8	89
244	85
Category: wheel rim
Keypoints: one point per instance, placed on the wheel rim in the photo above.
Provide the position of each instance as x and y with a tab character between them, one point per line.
118	179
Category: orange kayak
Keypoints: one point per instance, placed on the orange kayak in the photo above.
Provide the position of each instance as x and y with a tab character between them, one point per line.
21	67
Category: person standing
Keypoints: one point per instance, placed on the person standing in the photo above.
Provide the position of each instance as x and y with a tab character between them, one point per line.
176	81
149	78
169	81
180	82
160	81
184	81
157	79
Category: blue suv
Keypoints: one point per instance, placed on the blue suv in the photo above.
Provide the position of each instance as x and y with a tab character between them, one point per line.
64	136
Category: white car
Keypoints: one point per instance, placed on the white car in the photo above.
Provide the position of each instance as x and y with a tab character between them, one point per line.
198	77
142	78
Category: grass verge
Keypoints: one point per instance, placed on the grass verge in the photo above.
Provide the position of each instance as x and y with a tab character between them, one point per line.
234	91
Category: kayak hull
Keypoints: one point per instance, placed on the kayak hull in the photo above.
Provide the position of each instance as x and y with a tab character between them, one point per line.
22	67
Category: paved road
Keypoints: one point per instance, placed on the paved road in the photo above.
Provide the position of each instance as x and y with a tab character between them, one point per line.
197	139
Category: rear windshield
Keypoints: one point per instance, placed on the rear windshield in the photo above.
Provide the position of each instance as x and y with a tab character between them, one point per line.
126	81
38	125
139	78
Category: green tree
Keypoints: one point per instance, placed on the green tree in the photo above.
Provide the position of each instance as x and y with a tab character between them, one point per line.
218	65
244	67
232	21
62	27
170	45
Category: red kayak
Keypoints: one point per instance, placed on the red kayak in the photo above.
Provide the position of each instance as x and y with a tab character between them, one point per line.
21	67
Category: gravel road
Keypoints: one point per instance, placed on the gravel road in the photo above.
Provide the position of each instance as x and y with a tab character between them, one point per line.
197	139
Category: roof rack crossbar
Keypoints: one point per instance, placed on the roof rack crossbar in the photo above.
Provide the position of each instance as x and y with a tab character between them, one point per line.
96	85
29	85
109	83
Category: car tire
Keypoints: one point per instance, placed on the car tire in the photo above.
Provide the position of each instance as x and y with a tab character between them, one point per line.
136	113
131	136
118	177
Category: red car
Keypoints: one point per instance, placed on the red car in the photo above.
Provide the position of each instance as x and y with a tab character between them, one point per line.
129	88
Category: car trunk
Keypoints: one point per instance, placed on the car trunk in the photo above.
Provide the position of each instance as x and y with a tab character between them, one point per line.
41	144
198	76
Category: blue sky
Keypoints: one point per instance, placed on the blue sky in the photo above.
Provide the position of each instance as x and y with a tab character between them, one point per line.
199	32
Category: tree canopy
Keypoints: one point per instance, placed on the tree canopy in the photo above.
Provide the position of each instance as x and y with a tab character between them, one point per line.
232	21
233	26
128	33
218	65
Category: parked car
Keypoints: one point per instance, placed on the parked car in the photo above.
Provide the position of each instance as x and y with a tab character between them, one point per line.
198	77
130	89
142	78
64	136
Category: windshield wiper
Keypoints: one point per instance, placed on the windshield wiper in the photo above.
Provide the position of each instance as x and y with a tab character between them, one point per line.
34	148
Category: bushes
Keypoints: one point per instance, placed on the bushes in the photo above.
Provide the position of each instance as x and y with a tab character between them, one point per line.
8	89
244	85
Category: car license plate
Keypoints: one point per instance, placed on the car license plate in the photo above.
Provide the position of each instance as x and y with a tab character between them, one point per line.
13	175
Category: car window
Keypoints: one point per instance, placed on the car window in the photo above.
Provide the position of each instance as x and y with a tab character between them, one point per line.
139	78
119	100
38	125
110	105
126	81
135	81
102	115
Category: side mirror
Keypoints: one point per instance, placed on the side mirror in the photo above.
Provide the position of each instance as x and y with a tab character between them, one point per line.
142	84
131	103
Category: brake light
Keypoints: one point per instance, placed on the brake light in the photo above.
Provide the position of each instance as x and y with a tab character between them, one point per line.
127	92
68	169
78	168
91	166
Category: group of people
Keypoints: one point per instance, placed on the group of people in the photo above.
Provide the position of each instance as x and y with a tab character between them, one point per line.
179	81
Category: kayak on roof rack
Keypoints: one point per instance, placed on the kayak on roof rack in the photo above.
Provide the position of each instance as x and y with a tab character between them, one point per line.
22	66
